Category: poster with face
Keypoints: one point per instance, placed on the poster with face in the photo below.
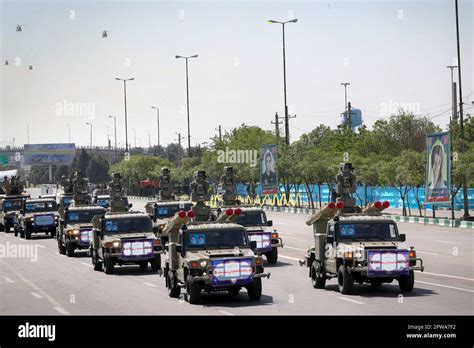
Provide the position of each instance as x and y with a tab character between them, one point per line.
438	168
268	172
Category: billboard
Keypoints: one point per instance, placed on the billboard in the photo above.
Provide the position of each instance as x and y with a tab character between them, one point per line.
45	154
438	168
268	171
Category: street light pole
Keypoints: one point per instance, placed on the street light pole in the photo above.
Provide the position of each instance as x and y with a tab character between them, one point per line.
287	119
135	137
125	100
69	132
461	114
115	135
158	124
187	99
149	140
90	124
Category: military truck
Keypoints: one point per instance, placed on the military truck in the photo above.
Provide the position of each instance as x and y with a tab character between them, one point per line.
38	215
355	244
11	203
254	219
75	224
65	199
122	237
209	257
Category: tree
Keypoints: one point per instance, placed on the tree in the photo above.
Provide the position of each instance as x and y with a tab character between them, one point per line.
97	170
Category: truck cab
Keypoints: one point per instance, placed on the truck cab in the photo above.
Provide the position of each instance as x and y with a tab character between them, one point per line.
38	216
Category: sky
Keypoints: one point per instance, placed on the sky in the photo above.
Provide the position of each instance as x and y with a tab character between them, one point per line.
393	53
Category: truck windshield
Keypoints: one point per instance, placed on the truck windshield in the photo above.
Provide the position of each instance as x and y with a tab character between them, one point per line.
142	224
366	231
254	218
12	205
164	211
103	202
66	201
227	238
40	206
82	216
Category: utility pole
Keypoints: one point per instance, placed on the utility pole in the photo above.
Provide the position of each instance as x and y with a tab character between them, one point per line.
461	114
179	146
220	133
158	124
277	124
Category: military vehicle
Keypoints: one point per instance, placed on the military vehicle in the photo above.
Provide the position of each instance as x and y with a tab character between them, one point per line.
38	215
167	206
65	199
75	224
122	237
254	219
11	203
203	255
355	244
209	257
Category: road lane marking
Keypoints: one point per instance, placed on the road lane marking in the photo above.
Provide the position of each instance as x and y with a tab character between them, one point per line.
446	241
8	280
289	258
444	286
289	247
51	300
86	264
350	300
152	285
448	276
226	313
427	253
35	294
61	310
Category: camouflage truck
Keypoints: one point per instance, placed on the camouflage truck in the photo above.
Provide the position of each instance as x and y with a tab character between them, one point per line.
122	237
11	203
254	219
355	244
209	257
74	230
39	215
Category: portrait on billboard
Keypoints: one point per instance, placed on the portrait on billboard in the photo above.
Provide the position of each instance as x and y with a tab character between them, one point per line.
268	172
438	168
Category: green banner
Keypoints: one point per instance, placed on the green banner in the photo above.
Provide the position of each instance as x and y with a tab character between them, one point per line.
4	159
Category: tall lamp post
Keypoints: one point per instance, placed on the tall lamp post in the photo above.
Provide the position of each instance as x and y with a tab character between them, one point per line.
187	99
453	93
125	99
287	119
345	84
158	124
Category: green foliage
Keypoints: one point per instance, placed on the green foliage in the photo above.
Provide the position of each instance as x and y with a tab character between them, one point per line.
97	170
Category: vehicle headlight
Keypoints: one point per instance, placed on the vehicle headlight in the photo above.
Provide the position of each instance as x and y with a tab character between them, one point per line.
203	263
74	232
348	255
116	243
358	255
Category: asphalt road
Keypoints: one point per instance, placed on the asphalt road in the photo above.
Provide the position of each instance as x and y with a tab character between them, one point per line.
47	283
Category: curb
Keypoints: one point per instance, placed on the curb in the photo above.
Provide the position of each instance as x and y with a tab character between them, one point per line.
409	219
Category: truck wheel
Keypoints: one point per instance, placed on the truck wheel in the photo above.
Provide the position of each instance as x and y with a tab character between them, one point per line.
194	291
70	249
8	225
156	263
95	261
109	265
254	291
2	227
272	256
53	233
318	281
15	229
234	291
22	232
406	282
28	232
61	247
143	265
173	289
345	280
